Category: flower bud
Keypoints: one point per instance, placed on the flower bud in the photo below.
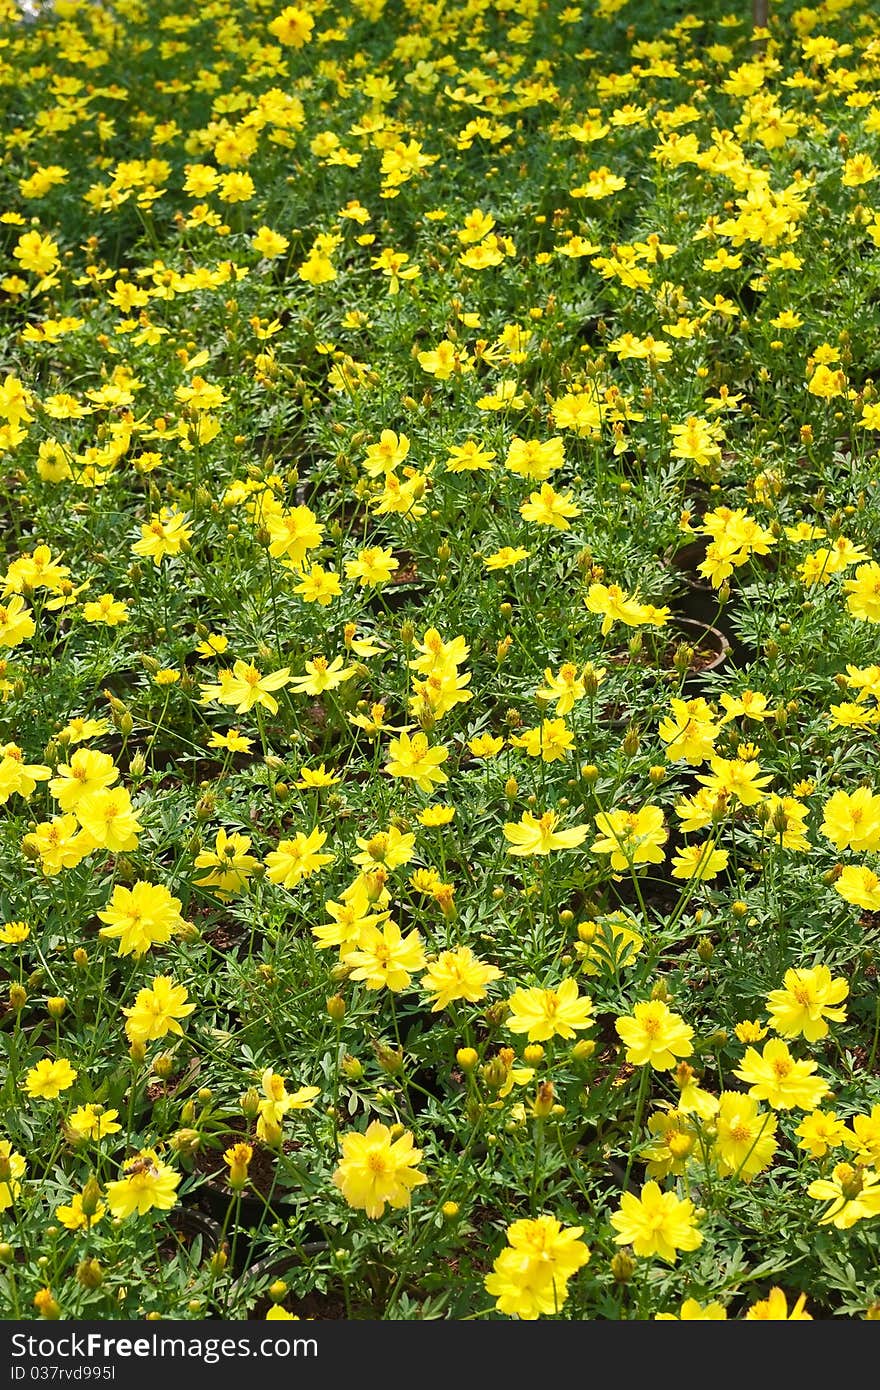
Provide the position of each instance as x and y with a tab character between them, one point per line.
91	1196
17	997
494	1073
277	1291
89	1273
533	1054
705	950
336	1007
631	742
163	1065
450	1211
390	1059
467	1058
511	787
544	1100
186	1142
623	1267
351	1067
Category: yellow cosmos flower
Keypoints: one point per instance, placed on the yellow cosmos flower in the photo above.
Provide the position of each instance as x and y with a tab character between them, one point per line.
457	974
537	835
654	1035
656	1223
146	1183
809	997
549	1013
378	1169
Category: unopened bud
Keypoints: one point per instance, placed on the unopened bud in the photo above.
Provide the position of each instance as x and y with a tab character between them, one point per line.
467	1058
336	1007
89	1273
544	1100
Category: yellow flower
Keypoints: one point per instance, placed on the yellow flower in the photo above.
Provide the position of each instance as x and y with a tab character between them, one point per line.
48	1079
297	859
292	27
549	508
505	557
146	1183
269	244
109	820
293	534
854	1193
820	1132
164	534
615	605
413	758
631	837
485	745
36	253
73	1216
88	771
852	820
549	1013
530	1276
457	974
229	862
238	1157
374	565
745	1142
538	835
386	455
245	686
692	1311
322	675
654	1035
863	592
656	1223
15	1167
699	862
142	916
16	622
860	886
93	1121
808	999
390	847
689	732
774	1075
14	933
550	740
107	610
156	1010
774	1308
384	958
568	685
377	1169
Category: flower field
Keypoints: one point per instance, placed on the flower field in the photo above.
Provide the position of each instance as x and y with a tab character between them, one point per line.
439	665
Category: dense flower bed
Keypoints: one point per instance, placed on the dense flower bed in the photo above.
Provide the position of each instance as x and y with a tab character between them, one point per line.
440	825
